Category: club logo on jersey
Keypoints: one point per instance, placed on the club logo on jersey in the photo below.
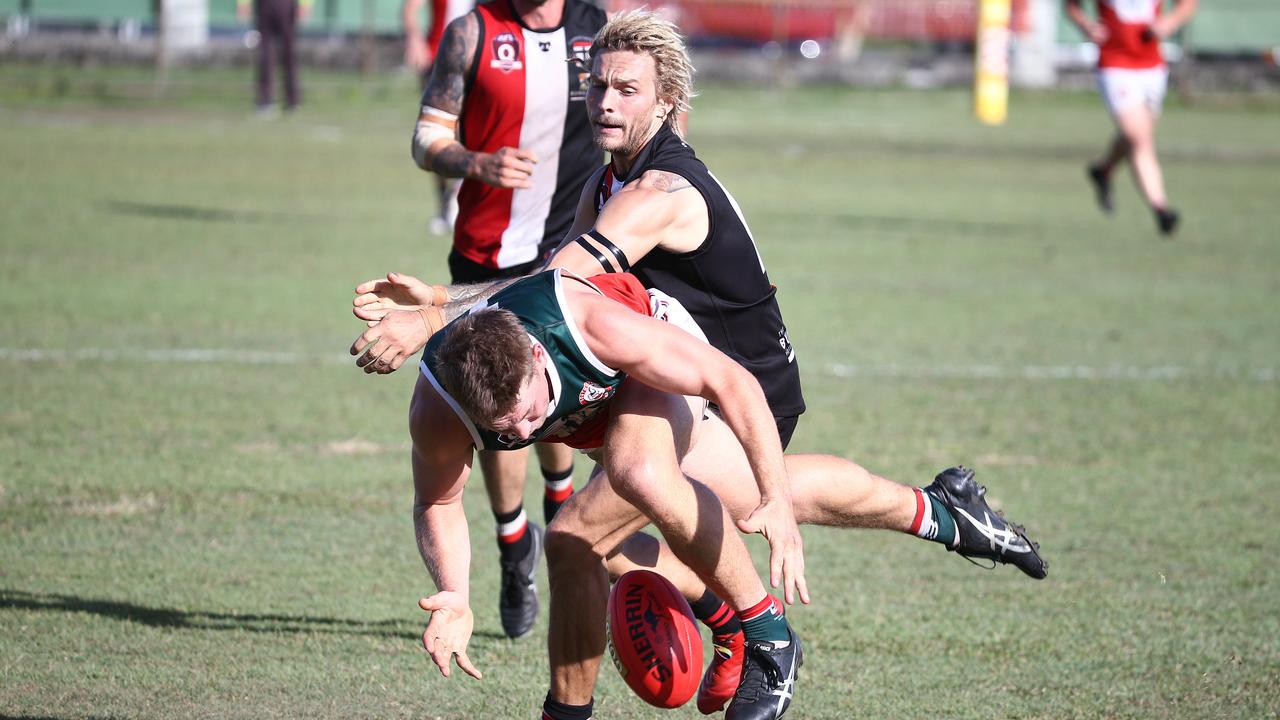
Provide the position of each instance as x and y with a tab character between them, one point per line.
509	440
506	53
579	67
592	393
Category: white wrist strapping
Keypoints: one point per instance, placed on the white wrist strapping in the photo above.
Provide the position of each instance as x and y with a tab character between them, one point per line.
433	126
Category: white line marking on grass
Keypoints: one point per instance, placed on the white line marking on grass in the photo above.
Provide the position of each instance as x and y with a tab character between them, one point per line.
175	355
840	370
1050	372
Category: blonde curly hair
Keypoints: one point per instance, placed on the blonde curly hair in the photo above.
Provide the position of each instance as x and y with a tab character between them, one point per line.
641	31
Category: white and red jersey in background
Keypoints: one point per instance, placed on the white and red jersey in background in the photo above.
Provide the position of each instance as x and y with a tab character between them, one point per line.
525	93
1130	43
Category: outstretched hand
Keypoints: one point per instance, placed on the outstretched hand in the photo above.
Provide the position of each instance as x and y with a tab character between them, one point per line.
398	336
776	520
448	632
375	298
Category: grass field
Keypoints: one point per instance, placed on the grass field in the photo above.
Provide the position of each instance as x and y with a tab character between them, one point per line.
204	507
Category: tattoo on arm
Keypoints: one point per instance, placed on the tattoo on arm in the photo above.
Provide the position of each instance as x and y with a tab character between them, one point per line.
462	297
448	83
669	182
446	90
453	161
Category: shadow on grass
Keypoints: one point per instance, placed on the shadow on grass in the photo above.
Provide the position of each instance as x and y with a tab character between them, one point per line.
905	224
200	214
199	620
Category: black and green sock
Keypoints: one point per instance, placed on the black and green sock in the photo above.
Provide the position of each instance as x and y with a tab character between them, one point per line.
765	621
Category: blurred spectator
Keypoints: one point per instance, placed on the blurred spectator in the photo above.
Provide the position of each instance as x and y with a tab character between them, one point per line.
276	21
420	48
1132	78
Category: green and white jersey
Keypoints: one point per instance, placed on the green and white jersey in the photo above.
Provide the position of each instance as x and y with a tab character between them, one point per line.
580	383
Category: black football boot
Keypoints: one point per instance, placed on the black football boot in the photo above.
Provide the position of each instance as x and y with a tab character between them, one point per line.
980	531
768	680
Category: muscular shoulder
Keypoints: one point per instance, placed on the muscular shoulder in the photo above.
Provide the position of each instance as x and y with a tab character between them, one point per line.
660	195
437	431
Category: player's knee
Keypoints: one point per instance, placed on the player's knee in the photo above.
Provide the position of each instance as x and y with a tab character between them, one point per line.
638	481
568	552
1139	140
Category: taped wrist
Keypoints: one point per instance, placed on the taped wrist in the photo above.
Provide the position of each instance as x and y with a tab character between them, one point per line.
432	318
433	126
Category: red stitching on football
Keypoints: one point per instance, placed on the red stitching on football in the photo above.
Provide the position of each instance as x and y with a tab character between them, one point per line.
654	639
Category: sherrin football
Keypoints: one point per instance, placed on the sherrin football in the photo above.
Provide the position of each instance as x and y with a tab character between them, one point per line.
654	639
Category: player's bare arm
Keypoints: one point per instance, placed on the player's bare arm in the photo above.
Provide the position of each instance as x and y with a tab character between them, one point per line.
398	291
416	53
1088	27
661	209
669	359
1166	25
435	146
442	451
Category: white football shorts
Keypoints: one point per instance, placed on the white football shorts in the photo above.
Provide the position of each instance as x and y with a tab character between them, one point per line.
1125	88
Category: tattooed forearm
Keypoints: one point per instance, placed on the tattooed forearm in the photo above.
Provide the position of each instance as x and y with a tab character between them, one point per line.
462	297
445	92
453	161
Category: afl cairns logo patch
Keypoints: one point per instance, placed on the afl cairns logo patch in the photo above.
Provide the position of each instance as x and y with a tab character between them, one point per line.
592	392
506	53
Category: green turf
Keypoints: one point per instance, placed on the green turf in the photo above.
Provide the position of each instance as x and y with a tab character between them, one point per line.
227	538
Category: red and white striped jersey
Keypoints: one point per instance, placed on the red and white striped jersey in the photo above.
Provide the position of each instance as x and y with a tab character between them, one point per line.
1130	43
523	92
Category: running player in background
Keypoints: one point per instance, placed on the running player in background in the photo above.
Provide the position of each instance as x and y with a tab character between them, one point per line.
1132	78
503	111
419	53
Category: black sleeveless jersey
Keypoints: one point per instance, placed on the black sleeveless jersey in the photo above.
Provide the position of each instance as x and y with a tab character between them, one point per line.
723	283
